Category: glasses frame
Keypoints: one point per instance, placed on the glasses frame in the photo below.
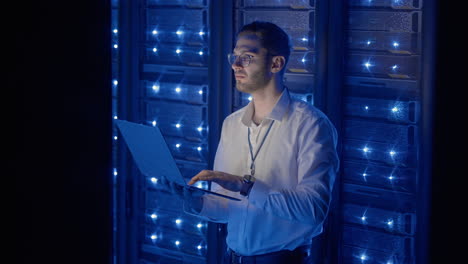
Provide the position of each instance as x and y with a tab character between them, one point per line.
245	59
232	58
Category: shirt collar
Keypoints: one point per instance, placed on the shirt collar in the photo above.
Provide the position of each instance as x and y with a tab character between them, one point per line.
277	114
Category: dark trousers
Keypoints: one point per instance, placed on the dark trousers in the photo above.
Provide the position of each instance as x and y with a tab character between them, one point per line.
300	255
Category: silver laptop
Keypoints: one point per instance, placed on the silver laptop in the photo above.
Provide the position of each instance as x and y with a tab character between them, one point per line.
152	155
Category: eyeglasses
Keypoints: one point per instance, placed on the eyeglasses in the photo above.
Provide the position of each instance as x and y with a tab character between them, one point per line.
245	59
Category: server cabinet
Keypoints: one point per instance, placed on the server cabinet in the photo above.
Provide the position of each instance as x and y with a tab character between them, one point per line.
381	181
161	78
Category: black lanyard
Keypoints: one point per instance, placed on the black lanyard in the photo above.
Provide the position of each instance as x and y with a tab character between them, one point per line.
252	166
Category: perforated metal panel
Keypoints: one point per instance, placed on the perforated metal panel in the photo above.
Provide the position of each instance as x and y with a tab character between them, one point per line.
167	87
381	131
174	90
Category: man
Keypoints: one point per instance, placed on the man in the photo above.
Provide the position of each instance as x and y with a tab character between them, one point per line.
277	154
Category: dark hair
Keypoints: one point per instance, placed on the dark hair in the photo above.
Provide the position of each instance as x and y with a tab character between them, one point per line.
271	37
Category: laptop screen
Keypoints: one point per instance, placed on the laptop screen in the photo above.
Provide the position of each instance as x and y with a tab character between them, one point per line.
150	151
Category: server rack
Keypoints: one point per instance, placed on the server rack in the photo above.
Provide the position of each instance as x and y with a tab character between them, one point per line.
381	182
161	78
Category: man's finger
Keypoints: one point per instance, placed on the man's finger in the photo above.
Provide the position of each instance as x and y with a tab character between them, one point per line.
204	175
197	177
193	180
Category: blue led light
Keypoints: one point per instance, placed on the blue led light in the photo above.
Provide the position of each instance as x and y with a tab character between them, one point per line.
115	172
199	225
364	175
115	31
395	67
154	237
177	90
115	117
200	92
363	257
200	185
304	39
115	138
391	177
177	243
201	33
154	180
199	148
303	60
154	123
154	32
390	223
179	32
395	44
368	42
250	98
366	107
178	125
178	221
115	82
199	129
200	53
155	88
199	247
367	64
154	216
177	145
364	217
392	153
116	46
155	50
395	109
366	149
178	51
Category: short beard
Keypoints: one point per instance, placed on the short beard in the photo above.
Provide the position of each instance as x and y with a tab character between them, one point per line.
258	81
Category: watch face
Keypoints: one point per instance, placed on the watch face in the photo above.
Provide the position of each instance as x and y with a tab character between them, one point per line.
247	185
247	178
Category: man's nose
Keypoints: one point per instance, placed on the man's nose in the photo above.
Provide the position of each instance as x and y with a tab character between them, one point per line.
237	65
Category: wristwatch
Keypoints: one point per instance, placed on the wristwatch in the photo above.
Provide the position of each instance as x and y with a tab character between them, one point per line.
248	182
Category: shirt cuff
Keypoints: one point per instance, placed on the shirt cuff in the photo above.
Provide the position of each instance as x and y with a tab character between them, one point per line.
259	193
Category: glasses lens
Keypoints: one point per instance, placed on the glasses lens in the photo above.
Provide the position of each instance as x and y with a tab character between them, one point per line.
232	58
244	59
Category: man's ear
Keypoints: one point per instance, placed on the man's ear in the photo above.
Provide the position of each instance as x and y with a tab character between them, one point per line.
278	63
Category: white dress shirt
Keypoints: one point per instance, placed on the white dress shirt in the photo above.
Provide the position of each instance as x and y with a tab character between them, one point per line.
294	171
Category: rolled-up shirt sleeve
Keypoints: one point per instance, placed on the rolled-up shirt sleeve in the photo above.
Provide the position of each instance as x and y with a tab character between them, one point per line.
318	164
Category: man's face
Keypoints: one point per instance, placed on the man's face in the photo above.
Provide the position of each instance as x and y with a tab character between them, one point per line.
256	75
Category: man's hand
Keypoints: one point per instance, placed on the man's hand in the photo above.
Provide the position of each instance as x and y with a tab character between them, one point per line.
227	181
